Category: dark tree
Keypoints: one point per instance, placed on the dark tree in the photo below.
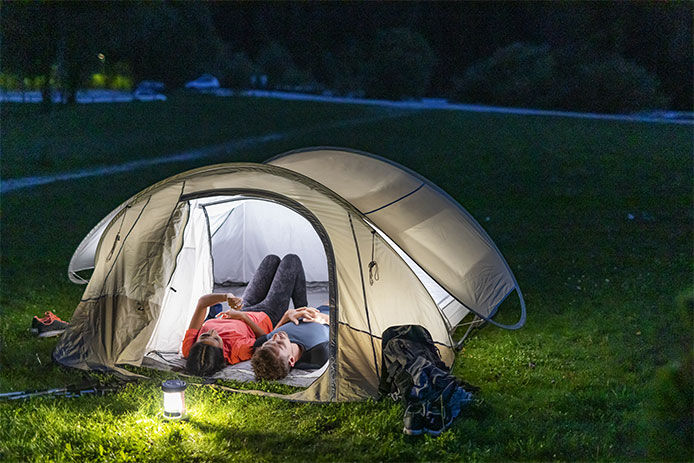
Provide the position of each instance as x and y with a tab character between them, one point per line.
28	44
401	65
173	41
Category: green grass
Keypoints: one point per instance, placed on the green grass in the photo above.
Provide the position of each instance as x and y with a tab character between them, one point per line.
85	136
573	384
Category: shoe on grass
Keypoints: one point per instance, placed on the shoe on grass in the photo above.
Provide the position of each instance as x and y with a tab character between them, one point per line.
440	413
414	419
436	417
49	325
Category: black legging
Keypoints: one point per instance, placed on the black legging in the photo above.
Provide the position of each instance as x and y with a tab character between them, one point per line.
273	284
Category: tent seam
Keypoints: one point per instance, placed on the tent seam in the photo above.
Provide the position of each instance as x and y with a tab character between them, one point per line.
395	201
363	289
101	291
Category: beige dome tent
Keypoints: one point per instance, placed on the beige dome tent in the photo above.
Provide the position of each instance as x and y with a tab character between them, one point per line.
390	247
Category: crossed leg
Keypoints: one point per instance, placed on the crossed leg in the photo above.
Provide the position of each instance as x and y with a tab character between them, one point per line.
274	283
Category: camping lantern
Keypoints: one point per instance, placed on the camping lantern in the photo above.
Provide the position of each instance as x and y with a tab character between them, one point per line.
174	398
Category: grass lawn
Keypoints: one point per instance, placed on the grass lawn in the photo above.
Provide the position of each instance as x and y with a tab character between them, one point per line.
576	383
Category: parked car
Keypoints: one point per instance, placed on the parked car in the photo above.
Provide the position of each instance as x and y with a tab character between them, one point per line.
204	82
148	94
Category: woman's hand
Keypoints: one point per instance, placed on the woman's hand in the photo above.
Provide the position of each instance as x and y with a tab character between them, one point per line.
234	302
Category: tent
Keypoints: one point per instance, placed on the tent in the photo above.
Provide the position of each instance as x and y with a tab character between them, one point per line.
389	247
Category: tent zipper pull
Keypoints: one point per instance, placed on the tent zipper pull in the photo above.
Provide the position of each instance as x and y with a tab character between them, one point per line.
373	274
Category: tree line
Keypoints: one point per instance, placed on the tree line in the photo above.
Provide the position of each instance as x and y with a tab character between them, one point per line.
600	56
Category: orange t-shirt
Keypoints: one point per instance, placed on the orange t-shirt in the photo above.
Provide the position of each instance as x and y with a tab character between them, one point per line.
237	336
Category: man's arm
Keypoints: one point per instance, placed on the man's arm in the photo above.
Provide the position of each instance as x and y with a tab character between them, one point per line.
204	303
293	315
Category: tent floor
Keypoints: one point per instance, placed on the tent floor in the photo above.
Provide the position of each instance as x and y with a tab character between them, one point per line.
239	372
316	293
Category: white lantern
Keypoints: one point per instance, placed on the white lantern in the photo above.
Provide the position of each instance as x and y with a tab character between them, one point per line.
174	398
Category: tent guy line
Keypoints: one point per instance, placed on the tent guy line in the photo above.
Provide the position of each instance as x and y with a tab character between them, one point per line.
14	184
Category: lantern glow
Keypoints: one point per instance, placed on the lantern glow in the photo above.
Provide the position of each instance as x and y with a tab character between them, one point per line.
174	398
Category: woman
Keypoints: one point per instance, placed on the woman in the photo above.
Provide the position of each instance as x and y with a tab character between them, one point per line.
210	344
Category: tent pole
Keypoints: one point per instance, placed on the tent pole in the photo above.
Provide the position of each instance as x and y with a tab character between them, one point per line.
475	322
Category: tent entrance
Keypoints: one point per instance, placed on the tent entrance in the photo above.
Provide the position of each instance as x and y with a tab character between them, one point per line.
245	230
225	239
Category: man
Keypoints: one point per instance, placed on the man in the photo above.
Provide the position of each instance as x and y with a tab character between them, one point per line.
302	345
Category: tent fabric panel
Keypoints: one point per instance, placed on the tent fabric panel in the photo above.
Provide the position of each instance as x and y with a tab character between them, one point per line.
77	347
124	295
468	267
83	257
97	335
131	346
394	293
110	246
358	377
440	295
419	218
139	270
192	277
256	228
364	181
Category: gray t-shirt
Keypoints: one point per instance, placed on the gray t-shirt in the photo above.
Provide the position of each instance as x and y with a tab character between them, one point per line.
311	336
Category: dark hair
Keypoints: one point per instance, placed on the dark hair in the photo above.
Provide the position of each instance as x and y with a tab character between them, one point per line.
268	365
205	360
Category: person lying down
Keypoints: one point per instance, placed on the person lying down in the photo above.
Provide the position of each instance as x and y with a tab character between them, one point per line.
260	326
